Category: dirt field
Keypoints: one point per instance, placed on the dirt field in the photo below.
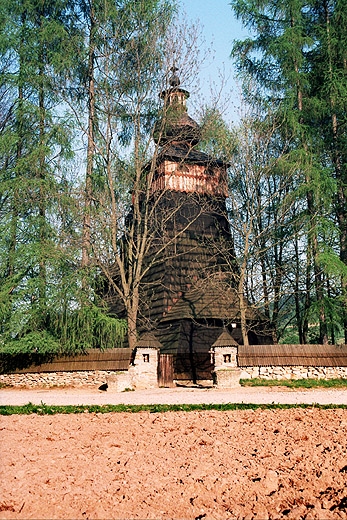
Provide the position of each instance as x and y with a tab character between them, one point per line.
196	465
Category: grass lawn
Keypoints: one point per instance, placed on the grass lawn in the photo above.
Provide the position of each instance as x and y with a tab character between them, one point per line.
296	383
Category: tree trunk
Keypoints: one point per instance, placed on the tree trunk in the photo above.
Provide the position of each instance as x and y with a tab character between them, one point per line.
132	312
262	258
191	353
243	305
298	313
42	197
307	303
313	244
312	233
86	232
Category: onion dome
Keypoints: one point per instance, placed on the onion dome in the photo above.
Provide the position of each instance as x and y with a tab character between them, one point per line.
176	126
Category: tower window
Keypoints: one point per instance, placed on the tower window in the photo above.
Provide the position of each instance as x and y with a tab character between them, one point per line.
227	358
145	358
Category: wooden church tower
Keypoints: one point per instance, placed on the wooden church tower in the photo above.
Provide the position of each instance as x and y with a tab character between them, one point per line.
189	295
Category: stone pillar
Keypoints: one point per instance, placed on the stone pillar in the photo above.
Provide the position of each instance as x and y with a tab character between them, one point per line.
226	378
144	372
226	373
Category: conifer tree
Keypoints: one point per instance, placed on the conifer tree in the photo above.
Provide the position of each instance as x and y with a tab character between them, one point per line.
327	26
41	305
284	58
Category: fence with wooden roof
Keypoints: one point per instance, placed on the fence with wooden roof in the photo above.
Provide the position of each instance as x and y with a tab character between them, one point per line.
292	355
95	359
96	367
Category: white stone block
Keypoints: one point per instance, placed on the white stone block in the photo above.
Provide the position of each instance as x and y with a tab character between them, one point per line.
227	378
119	381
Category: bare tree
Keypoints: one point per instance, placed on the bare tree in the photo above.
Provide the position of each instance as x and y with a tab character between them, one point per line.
126	240
261	217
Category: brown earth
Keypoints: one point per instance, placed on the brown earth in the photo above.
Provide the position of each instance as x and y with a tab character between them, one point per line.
195	465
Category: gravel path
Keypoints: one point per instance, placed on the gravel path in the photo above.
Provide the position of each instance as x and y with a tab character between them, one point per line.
187	395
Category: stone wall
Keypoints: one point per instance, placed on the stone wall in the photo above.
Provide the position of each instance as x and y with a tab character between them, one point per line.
226	370
293	372
85	378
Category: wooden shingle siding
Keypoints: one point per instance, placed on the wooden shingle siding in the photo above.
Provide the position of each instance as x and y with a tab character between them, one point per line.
292	355
209	299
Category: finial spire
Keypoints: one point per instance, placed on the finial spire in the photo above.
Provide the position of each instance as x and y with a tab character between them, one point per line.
174	80
178	128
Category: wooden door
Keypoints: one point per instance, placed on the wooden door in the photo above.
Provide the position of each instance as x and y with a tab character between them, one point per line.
166	371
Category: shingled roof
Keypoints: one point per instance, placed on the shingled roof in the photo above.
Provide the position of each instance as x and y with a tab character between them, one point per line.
292	355
225	340
148	340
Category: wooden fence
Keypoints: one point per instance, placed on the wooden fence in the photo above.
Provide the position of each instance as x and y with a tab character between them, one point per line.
112	359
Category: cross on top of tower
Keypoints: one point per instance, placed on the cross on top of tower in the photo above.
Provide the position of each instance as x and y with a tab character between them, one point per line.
174	80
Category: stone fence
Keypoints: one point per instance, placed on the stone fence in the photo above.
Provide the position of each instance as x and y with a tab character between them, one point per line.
78	378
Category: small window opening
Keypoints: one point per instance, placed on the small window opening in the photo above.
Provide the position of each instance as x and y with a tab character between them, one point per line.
145	358
227	358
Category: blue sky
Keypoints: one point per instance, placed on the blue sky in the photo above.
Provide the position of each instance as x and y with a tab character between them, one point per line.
219	27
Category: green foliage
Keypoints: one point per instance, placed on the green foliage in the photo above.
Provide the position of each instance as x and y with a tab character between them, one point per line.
40	342
86	328
44	409
332	264
293	67
296	383
75	332
45	306
290	336
217	139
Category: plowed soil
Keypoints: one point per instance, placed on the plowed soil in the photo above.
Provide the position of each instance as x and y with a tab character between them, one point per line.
261	464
